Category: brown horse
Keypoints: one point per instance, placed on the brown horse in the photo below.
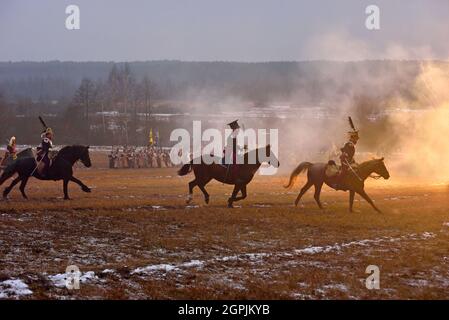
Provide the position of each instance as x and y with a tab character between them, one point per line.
355	183
204	173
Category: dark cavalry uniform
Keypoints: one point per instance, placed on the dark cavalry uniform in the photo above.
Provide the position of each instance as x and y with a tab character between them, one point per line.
42	153
347	155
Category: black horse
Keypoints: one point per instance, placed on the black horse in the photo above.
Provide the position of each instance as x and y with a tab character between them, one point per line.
204	173
61	169
355	183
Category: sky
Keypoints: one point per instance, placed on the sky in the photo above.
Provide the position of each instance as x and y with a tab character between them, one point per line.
223	30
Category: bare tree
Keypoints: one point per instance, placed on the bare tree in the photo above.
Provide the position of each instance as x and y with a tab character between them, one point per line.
85	96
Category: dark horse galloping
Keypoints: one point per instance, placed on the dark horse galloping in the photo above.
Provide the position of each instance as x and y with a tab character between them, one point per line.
61	169
204	173
316	176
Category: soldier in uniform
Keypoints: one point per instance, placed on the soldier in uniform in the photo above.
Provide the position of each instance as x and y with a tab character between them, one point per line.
231	147
347	155
42	152
12	151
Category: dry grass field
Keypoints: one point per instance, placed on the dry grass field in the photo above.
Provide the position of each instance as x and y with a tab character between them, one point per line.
134	237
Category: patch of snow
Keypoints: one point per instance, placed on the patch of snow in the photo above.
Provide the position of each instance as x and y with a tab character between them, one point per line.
108	271
337	286
13	288
193	263
164	267
59	280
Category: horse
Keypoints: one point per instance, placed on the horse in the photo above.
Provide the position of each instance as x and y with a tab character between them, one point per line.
354	182
204	173
61	169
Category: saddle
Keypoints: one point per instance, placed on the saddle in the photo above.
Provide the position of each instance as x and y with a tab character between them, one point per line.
332	169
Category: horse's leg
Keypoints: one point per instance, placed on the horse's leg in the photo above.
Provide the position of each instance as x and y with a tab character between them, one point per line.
65	184
368	199
234	193
316	195
351	199
243	190
192	185
203	189
304	189
82	185
23	185
8	189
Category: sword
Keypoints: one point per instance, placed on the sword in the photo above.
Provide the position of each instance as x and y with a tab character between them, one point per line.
353	171
37	165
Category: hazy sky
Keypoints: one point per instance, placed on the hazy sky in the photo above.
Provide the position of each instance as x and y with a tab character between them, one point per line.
231	30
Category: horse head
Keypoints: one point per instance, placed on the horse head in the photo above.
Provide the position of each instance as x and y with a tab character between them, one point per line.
85	157
270	157
380	168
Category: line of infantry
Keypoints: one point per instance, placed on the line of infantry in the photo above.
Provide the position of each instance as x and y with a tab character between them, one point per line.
145	157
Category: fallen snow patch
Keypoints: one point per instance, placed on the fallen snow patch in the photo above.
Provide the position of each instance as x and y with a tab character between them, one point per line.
59	280
13	288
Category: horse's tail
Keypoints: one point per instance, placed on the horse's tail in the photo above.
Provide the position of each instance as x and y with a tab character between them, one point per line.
8	172
185	169
300	168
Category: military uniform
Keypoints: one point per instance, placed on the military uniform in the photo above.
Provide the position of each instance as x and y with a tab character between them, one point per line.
12	151
231	149
43	150
347	155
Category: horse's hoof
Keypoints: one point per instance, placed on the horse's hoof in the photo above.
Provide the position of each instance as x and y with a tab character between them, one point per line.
87	189
67	198
230	205
206	200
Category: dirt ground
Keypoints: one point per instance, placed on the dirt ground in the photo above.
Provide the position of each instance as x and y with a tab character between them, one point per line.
134	237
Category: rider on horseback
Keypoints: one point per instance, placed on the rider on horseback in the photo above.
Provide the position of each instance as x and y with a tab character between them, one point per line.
12	148
347	154
348	151
231	145
42	152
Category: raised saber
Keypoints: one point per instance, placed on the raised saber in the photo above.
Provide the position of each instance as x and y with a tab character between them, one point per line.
43	122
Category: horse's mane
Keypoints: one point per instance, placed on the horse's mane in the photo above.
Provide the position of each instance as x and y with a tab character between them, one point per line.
368	162
247	154
67	149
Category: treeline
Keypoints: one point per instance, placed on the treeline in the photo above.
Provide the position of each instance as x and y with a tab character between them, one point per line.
79	97
297	82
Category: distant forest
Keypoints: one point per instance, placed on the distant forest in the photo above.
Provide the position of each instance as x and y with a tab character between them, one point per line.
74	94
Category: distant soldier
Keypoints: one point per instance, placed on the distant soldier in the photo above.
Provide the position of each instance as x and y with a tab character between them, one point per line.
112	159
42	152
159	158
167	161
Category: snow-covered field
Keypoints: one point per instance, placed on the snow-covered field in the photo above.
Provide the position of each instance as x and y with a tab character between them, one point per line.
135	238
